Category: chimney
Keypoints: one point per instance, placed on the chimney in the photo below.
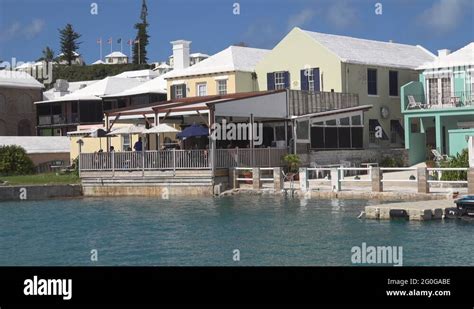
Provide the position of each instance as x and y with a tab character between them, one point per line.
180	54
61	88
443	52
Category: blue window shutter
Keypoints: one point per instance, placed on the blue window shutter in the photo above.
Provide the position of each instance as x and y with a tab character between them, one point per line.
317	84
270	81
304	80
183	86
287	79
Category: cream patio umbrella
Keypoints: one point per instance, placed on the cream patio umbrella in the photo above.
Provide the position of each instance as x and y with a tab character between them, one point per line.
161	128
131	129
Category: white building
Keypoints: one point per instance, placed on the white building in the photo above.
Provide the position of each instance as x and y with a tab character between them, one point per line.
77	60
116	58
194	58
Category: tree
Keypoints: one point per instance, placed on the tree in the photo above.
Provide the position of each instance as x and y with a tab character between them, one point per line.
69	44
48	55
141	40
15	161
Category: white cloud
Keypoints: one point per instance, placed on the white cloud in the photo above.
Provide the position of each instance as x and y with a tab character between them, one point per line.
444	15
19	31
301	18
36	26
341	14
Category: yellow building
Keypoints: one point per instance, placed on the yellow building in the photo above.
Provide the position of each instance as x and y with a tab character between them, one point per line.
374	70
229	71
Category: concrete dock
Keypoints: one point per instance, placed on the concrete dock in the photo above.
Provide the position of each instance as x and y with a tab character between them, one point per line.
416	210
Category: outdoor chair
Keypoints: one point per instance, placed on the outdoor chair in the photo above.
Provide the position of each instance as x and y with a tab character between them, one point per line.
438	157
413	104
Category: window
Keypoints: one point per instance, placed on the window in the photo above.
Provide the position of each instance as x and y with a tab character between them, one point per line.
433	91
279	80
310	78
126	142
393	83
178	91
446	90
337	133
201	89
372	81
222	87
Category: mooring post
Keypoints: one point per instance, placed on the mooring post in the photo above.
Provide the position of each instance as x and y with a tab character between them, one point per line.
422	180
376	179
304	184
470	180
257	184
277	179
233	174
335	180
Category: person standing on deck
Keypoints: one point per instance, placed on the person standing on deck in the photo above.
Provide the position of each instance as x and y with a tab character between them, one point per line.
138	145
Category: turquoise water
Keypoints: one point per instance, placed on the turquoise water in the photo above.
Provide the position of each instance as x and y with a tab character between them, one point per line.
205	231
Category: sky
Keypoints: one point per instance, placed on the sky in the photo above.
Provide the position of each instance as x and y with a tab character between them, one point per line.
27	26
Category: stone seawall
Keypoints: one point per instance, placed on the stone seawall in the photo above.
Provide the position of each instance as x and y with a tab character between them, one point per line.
38	192
354	156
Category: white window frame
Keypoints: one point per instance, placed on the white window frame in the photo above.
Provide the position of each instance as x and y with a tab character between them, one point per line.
310	76
198	90
125	145
218	86
279	78
178	92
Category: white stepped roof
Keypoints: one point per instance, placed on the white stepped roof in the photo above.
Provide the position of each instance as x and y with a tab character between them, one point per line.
196	55
38	144
18	79
461	57
94	92
116	54
73	86
369	52
138	74
156	85
233	58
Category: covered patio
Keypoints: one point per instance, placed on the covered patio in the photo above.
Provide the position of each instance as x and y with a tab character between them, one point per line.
258	116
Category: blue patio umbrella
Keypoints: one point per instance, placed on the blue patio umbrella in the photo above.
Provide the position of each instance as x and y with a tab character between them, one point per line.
193	130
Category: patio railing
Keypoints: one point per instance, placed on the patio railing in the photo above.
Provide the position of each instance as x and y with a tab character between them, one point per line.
450	100
180	159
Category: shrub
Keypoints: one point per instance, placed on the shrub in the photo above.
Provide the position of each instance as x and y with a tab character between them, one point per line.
460	160
391	162
292	162
15	161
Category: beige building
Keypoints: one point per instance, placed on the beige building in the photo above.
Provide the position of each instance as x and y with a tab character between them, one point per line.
373	70
229	71
18	91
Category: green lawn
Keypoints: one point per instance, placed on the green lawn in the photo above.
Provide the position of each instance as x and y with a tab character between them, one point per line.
39	179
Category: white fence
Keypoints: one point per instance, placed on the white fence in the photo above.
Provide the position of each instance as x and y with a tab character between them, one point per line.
180	159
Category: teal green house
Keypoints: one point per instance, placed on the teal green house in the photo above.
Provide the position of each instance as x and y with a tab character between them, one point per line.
438	109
